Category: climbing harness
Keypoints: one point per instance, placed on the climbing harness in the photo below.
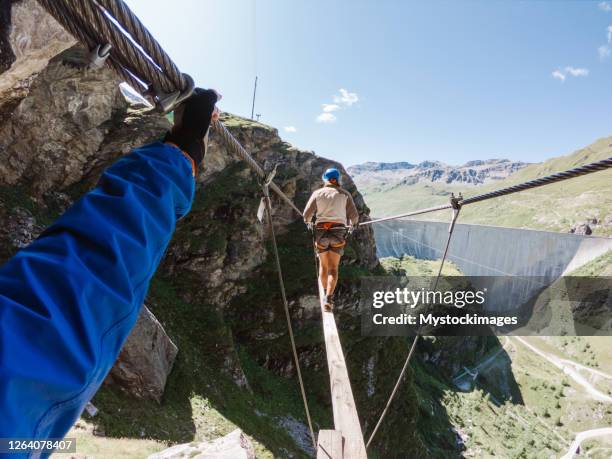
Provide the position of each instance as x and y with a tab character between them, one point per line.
268	210
114	35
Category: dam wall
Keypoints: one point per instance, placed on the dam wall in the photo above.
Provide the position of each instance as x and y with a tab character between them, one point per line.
525	260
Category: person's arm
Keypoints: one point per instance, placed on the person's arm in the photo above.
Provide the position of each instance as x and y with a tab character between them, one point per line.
351	210
310	209
69	300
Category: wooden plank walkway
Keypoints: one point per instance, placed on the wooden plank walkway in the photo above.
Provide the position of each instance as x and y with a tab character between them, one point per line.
346	420
329	444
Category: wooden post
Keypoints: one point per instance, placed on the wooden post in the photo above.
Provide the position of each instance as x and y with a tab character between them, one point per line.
329	444
346	420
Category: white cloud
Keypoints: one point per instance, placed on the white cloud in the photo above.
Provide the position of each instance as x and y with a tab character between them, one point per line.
346	98
605	6
558	75
577	72
604	51
290	129
326	118
341	101
328	108
562	75
609	33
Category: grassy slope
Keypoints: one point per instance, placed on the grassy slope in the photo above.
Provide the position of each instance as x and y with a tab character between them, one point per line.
553	207
553	408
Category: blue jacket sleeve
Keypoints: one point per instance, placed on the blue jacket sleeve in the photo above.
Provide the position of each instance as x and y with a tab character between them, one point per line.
69	300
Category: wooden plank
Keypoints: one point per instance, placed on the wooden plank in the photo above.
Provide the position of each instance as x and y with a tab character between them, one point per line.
346	419
329	444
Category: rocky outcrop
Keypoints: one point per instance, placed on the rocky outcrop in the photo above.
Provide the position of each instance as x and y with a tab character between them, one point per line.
145	360
55	134
235	445
588	226
29	37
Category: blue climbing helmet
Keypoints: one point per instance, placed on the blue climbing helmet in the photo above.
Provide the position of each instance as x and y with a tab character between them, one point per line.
331	174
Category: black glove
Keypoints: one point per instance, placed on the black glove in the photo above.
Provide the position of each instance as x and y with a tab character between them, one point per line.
191	122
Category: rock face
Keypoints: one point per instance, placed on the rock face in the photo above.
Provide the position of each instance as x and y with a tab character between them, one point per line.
234	445
29	37
61	126
145	360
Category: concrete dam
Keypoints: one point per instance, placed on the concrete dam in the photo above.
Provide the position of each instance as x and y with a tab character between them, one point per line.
522	260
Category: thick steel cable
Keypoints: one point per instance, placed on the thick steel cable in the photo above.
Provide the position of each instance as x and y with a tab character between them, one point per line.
79	19
549	179
130	22
400	378
554	178
130	56
86	35
235	146
287	314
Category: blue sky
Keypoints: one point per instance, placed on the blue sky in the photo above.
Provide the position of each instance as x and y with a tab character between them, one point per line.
403	80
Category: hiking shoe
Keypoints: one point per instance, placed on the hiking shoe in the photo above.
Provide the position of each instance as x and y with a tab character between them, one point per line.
329	303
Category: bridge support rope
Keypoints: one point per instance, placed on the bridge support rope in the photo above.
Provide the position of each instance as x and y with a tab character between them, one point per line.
456	209
281	282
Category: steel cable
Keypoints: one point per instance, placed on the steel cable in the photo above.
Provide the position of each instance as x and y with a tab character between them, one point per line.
287	314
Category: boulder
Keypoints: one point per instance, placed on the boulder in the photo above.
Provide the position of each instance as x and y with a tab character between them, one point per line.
146	359
581	228
235	445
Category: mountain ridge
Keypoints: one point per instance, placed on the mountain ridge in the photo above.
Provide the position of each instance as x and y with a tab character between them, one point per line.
474	172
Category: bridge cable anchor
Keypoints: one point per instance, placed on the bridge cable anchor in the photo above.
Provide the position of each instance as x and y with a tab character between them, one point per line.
98	56
265	186
455	203
166	102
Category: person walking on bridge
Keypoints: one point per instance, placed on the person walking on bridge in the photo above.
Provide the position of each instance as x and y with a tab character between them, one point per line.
333	208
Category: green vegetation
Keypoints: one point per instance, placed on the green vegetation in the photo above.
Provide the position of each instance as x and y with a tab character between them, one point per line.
410	266
600	266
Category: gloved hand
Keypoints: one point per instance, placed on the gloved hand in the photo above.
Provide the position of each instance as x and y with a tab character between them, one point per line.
310	226
191	122
350	230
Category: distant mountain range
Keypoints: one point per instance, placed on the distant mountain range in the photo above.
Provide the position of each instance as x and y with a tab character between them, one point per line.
476	172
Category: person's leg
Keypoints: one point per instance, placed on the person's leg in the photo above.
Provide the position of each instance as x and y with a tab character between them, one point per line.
324	268
332	272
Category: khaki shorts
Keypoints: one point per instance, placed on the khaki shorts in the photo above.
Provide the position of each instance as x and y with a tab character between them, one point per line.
332	238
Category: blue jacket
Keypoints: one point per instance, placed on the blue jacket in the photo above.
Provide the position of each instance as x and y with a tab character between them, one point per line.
69	299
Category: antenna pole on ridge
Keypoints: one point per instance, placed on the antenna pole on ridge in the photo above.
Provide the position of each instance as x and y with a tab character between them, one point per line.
254	94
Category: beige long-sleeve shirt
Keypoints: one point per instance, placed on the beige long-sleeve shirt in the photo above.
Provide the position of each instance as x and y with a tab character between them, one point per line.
331	204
